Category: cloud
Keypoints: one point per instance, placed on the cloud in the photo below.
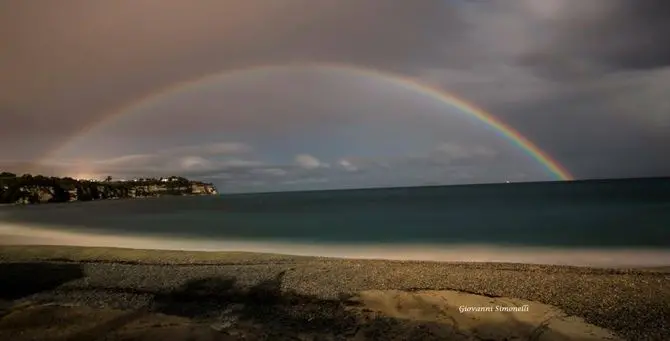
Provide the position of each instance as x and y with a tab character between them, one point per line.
198	160
270	171
584	80
303	181
446	154
456	151
194	163
348	166
568	39
309	162
611	34
493	85
218	176
125	160
446	163
188	158
222	148
185	42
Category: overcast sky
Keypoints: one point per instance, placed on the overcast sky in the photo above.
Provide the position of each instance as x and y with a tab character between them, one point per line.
586	81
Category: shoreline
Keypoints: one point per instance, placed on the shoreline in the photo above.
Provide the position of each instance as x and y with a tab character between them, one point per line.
629	302
179	257
582	257
72	202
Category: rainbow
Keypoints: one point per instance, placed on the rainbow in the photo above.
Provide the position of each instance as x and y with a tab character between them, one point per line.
408	83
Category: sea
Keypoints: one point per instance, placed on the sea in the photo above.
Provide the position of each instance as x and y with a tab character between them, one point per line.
593	223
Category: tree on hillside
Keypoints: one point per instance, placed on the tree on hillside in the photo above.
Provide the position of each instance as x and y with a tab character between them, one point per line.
7	175
40	179
29	189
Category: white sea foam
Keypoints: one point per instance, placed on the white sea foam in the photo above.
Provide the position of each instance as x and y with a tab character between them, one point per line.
34	235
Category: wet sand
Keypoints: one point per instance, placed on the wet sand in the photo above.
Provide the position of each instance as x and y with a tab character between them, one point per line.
12	234
73	293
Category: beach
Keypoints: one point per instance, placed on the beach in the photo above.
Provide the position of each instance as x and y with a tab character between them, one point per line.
83	293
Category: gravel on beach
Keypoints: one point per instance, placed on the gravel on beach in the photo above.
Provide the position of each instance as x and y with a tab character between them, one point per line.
635	303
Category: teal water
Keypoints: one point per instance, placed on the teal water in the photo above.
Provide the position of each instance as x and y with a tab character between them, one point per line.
588	214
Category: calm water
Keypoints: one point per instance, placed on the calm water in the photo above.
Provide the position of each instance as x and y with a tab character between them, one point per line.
606	214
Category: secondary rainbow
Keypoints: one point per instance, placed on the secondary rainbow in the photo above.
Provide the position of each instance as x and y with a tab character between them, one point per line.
411	84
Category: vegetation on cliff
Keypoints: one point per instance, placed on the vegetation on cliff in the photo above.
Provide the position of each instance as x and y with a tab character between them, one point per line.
29	189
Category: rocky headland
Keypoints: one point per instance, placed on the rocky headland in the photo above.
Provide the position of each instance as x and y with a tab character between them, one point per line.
29	189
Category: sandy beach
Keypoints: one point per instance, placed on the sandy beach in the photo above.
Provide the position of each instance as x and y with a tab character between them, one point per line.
80	293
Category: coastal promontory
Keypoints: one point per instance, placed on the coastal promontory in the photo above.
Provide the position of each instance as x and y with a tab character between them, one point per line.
29	189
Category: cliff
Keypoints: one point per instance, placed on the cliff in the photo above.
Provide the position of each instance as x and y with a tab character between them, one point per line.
28	189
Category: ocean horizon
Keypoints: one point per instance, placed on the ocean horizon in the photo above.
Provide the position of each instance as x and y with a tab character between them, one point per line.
594	222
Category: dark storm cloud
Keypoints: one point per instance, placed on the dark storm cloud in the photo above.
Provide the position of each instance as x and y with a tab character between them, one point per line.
584	79
601	36
634	37
79	59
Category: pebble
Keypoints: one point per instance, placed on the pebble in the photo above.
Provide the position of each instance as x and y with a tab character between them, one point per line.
633	303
